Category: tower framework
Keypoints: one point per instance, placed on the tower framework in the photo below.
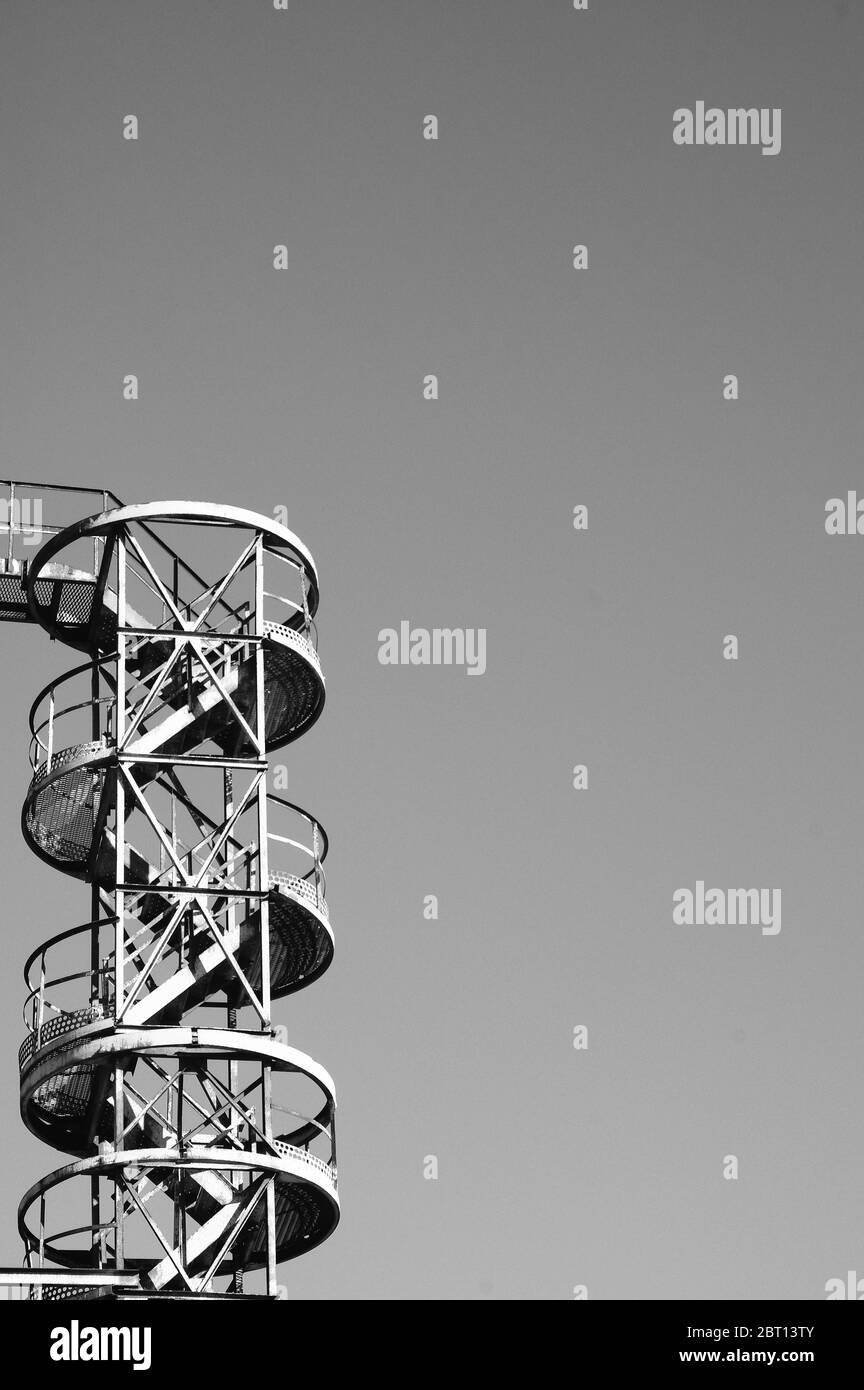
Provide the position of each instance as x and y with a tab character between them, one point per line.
201	1145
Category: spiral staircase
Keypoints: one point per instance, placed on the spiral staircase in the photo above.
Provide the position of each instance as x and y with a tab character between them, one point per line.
201	1145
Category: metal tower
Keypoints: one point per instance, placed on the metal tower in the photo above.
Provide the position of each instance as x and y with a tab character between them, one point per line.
202	1146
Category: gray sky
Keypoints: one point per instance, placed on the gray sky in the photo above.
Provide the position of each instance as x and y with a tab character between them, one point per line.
602	386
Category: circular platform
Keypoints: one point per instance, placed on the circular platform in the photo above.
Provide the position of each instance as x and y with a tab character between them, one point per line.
66	1101
79	607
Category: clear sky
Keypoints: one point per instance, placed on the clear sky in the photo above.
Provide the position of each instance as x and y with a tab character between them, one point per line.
603	387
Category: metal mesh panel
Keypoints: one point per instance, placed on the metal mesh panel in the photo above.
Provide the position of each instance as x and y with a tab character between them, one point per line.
66	1096
55	1028
13	604
59	1293
301	888
76	601
293	690
61	816
299	945
325	1170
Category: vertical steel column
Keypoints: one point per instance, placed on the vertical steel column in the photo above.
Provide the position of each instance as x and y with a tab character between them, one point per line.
119	895
264	879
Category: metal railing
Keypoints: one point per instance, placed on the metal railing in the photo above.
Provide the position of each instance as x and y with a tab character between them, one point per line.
297	861
299	847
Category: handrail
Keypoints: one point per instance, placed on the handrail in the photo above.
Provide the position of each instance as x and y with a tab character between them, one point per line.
37	992
63	487
63	936
305	815
52	685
